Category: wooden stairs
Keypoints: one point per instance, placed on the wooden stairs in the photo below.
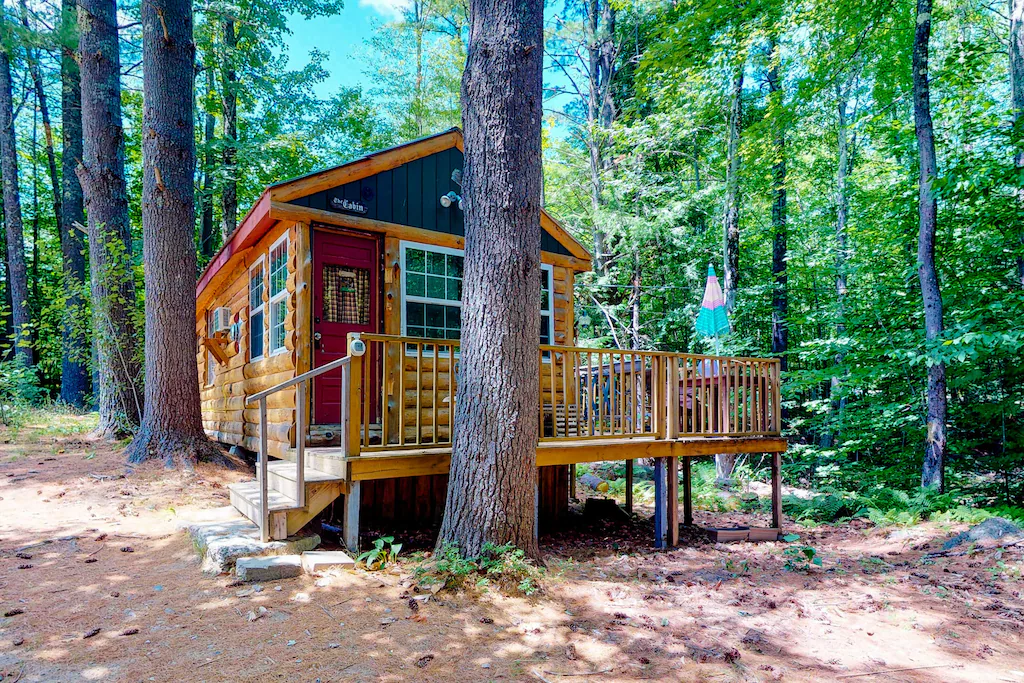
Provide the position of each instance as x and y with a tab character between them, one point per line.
286	515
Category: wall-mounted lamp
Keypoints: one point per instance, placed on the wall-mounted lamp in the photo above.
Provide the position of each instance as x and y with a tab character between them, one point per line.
451	198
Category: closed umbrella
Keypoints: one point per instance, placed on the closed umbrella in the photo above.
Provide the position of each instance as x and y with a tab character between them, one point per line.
712	319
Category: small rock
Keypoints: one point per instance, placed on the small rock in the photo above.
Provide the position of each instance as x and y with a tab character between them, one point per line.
18	642
129	632
277	588
259	613
14	612
90	560
333	646
291	642
23	556
127	549
90	633
269	568
424	660
486	620
387	621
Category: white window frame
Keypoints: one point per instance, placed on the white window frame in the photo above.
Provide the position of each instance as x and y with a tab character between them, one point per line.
448	251
550	274
261	263
280	296
547	271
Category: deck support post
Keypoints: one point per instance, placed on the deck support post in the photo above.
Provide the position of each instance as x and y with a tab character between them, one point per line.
572	482
777	490
352	501
673	502
660	503
687	493
629	486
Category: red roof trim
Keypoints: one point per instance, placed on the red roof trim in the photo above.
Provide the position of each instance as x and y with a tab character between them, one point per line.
252	228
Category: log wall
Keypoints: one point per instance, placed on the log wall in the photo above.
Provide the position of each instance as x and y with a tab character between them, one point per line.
226	418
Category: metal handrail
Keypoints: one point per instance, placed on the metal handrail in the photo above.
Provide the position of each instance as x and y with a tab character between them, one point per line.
300	384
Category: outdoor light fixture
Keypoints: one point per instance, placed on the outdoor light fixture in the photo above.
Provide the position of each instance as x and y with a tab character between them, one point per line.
451	198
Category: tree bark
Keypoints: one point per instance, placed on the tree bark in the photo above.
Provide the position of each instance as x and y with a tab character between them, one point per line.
780	291
101	173
74	377
1017	96
229	100
16	269
935	439
206	224
731	227
172	428
601	52
493	481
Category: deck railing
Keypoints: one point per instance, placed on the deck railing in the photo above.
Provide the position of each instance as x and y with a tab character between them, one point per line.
403	394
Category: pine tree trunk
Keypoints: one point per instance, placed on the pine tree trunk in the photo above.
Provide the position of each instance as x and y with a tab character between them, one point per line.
101	174
75	376
172	428
602	52
935	439
732	193
206	226
16	270
229	98
1017	95
493	481
780	291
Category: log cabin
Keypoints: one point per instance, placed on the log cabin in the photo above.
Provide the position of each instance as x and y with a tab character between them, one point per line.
328	332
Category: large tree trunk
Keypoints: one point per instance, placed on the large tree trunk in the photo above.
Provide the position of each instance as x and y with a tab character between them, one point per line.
935	439
206	224
493	480
74	377
780	290
1017	94
110	241
731	218
172	428
229	99
16	269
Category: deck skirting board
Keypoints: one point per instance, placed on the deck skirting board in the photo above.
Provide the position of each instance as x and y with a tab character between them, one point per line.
391	464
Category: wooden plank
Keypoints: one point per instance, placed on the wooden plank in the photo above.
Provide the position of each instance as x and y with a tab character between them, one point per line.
687	492
352	501
570	452
217	348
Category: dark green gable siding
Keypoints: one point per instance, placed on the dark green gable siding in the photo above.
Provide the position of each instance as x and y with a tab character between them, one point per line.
409	195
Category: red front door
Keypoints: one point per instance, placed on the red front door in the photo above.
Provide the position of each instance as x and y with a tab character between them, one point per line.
346	298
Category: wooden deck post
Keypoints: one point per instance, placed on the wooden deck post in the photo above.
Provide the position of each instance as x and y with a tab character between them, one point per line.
687	493
352	502
629	486
777	490
673	502
660	503
572	482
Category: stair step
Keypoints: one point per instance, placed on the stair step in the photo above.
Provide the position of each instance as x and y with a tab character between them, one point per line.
245	497
281	477
328	460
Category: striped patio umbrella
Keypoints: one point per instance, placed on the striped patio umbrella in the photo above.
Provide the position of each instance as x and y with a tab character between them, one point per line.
712	320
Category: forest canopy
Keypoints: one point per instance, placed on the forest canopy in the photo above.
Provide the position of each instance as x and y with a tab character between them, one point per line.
779	142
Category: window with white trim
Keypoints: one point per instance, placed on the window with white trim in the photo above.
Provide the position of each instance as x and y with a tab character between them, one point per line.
257	278
278	294
432	293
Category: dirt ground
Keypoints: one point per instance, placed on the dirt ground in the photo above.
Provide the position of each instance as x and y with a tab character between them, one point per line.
98	585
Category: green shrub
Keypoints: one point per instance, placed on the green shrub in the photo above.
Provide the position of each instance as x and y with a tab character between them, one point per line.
384	552
504	567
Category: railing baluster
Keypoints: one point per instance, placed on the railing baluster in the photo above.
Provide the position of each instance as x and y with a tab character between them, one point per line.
300	441
419	390
435	361
264	493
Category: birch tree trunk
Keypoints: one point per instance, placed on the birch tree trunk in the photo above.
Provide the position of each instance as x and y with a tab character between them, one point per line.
935	439
101	174
17	273
229	98
493	481
172	428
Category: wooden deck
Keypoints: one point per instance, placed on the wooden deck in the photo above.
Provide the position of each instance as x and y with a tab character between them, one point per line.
397	407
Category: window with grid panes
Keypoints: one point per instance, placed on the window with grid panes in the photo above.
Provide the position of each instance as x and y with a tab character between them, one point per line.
278	294
257	275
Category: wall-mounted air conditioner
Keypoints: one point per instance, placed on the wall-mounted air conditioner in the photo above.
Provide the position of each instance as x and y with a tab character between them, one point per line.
221	320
